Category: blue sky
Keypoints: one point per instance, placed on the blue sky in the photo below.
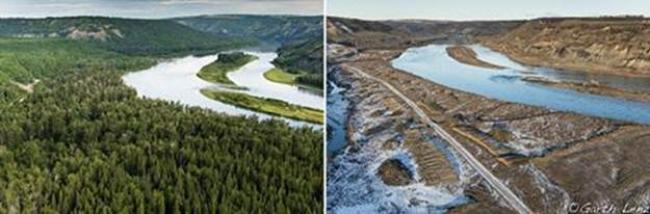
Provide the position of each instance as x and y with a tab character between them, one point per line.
156	8
482	9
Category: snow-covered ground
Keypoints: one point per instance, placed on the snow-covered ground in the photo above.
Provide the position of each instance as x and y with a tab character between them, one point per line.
354	187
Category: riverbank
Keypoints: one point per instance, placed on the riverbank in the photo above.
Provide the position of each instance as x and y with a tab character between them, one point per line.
266	105
591	88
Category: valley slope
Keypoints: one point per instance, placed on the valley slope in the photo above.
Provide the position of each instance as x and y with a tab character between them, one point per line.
613	45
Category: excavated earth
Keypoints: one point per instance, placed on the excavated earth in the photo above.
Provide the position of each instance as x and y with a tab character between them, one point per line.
389	150
553	160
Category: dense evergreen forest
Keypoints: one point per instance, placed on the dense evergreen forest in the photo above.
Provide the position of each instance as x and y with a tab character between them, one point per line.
83	142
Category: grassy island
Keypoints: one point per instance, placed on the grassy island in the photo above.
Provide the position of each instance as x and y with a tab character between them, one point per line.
266	105
280	76
216	71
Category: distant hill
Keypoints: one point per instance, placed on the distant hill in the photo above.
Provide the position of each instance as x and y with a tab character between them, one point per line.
363	34
273	30
130	36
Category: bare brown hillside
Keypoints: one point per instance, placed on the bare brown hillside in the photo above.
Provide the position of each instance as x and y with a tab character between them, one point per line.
606	45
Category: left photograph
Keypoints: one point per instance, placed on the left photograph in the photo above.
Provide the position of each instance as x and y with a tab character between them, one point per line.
161	106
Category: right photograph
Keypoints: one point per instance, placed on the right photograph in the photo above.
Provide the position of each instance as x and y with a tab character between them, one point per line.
504	106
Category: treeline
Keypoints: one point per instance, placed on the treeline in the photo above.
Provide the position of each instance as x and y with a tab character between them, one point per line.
25	59
84	143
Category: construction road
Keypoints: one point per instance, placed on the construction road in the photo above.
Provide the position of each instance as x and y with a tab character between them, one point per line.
513	200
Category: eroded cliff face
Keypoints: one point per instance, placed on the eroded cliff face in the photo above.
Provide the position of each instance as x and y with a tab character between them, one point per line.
606	45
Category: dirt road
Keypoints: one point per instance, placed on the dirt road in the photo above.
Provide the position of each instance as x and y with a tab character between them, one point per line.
515	202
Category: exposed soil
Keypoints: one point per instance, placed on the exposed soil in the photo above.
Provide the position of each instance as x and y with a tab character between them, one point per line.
394	173
606	45
592	88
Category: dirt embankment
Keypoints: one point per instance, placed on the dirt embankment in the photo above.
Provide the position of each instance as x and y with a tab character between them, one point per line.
592	88
394	173
468	56
605	45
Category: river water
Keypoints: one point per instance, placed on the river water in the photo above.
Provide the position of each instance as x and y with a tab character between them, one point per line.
176	80
433	63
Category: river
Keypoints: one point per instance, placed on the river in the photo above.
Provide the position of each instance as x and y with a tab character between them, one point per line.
433	63
176	80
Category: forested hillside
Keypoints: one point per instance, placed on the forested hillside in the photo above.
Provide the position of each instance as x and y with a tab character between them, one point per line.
275	30
83	142
130	36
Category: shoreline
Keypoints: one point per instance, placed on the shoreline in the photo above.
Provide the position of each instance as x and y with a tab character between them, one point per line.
591	88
